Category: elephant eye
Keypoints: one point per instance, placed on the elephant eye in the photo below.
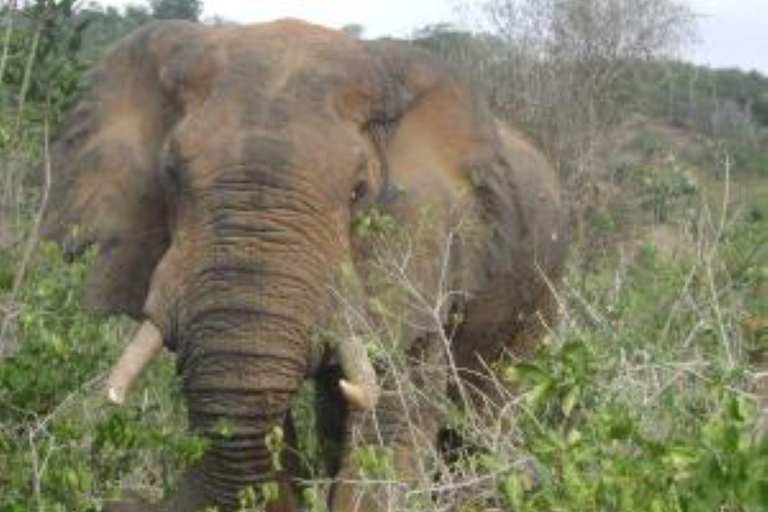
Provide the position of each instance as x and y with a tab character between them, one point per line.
359	192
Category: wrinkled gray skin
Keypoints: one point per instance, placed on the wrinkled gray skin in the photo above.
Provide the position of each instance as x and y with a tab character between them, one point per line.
219	170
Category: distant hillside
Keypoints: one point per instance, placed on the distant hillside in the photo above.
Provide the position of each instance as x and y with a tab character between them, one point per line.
712	100
652	181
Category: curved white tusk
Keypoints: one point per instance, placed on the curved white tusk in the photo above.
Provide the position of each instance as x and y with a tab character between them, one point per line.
137	354
358	396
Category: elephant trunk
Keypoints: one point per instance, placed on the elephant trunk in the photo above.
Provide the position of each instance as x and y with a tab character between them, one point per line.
237	395
239	455
242	333
242	330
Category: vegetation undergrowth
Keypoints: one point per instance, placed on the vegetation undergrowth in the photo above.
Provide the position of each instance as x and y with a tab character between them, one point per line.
62	446
647	396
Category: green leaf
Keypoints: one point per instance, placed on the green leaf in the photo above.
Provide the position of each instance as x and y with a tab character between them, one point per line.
570	400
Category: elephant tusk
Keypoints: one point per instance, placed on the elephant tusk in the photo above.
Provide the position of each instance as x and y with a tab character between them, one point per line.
137	354
358	396
360	388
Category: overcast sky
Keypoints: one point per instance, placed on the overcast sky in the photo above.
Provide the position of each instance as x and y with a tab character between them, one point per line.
733	32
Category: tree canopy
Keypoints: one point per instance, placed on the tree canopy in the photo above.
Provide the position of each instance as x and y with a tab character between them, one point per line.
176	9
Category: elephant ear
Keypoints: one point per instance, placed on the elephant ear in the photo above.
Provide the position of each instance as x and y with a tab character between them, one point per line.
439	129
107	171
445	142
439	135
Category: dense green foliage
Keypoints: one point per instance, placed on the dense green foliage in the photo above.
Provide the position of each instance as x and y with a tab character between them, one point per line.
645	398
62	447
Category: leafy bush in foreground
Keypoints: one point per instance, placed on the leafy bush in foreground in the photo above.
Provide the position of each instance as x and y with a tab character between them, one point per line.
62	447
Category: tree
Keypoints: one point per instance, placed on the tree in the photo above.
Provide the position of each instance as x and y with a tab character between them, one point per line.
176	9
578	63
108	24
354	29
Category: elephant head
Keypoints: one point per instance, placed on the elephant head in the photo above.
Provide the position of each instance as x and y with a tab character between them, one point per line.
219	170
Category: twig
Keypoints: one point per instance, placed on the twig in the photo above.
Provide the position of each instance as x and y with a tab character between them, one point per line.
27	79
710	274
36	472
472	482
34	236
6	45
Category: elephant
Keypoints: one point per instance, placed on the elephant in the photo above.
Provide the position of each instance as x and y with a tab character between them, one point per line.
220	172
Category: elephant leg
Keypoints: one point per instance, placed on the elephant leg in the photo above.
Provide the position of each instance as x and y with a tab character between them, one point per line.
402	448
402	430
499	328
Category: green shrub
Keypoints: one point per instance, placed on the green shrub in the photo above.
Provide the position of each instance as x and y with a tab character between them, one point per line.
62	447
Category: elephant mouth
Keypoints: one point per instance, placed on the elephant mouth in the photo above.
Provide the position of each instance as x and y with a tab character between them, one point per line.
73	242
74	248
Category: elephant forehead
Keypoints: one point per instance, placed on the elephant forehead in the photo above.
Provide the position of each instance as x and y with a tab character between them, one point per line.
272	61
